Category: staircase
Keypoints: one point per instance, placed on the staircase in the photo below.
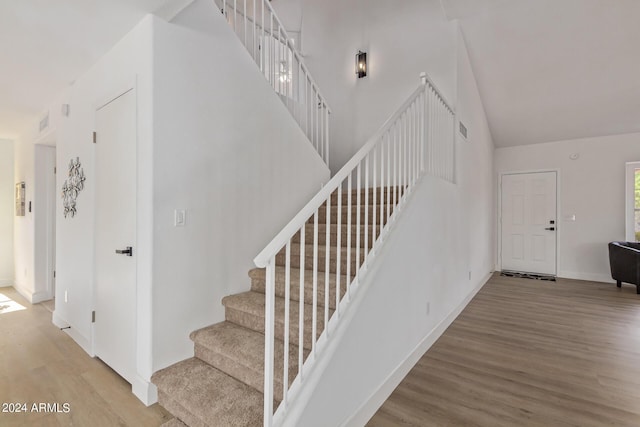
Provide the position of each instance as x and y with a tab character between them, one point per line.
223	384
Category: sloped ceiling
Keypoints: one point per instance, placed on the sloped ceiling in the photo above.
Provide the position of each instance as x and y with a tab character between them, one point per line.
551	70
45	45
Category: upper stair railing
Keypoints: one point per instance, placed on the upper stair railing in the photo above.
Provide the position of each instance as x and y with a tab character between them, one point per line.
259	29
417	139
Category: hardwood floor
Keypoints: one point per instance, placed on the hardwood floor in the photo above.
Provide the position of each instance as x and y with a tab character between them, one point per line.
41	364
529	353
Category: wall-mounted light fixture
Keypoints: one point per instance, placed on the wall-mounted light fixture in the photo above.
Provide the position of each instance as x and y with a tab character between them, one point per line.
361	64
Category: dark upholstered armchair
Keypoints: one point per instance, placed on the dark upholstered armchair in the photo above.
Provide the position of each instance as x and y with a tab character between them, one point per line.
624	258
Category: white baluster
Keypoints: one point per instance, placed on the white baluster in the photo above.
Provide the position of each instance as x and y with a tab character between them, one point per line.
287	298
327	262
338	249
314	314
301	305
269	336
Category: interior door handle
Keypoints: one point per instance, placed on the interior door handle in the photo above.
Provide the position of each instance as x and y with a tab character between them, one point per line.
550	228
128	251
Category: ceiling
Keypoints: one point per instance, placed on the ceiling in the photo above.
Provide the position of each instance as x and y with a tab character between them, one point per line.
45	45
550	70
547	70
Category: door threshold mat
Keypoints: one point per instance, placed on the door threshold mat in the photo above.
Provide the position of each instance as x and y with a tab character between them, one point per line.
522	275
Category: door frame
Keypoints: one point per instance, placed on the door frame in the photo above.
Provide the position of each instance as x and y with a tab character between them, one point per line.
629	198
499	214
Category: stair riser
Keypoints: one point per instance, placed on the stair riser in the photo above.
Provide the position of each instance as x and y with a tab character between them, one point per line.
179	411
321	265
333	233
256	323
354	195
322	218
251	376
258	285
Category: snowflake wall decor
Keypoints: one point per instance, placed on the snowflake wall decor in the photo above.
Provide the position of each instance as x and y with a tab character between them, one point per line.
72	186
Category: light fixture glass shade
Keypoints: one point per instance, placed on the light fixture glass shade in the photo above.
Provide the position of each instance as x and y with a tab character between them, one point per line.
361	64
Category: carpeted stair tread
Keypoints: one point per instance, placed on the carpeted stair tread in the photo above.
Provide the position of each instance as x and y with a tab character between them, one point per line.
258	282
209	395
174	423
239	352
248	309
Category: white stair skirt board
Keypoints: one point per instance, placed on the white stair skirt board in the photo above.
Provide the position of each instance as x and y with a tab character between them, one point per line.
378	397
145	391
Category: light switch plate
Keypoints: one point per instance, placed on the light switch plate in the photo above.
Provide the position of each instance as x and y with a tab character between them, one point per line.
180	218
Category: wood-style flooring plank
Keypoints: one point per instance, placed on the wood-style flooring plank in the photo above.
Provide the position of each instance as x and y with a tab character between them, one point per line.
41	364
529	353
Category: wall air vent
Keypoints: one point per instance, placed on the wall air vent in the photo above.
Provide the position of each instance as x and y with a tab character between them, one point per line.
463	130
44	122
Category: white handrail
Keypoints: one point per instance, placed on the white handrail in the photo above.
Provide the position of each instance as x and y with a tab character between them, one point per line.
418	138
275	54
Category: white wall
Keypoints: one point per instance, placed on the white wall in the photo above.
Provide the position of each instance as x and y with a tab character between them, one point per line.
227	150
7	212
591	187
23	226
401	39
438	255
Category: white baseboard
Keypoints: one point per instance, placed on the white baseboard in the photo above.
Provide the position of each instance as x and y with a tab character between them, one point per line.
37	297
26	293
593	277
6	282
378	397
75	335
33	297
58	321
145	391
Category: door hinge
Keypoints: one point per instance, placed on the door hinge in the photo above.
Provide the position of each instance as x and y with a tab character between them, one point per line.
95	137
55	170
93	316
54	274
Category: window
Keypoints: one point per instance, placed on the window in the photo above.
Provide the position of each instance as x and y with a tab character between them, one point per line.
633	202
636	204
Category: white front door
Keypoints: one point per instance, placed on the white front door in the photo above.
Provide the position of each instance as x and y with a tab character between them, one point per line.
115	280
528	222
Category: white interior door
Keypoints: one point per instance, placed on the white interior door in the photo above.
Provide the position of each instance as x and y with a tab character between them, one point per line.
115	280
528	222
